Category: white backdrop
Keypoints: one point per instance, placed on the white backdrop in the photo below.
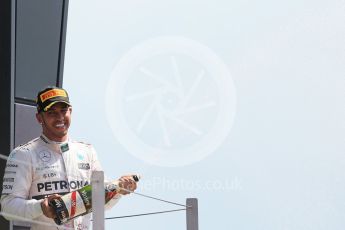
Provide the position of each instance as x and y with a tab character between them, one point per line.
237	103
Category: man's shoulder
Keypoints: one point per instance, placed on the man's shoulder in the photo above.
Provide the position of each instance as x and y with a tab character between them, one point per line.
28	146
24	150
82	147
82	143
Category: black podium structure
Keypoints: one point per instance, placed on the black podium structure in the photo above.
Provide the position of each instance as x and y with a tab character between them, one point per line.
32	45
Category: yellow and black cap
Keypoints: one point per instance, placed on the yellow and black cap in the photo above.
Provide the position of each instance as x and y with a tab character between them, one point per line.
49	96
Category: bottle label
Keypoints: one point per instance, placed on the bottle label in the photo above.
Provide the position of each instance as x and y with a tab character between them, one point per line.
74	204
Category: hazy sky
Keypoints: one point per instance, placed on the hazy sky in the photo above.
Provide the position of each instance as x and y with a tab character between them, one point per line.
237	103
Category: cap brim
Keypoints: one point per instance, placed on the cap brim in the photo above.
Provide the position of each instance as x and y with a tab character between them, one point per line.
53	103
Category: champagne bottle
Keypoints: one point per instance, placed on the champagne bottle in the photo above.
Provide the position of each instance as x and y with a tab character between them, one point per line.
79	202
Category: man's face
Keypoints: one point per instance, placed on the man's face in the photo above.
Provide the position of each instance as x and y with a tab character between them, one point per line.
56	121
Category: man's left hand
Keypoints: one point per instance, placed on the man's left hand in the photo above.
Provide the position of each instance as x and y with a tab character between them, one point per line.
127	182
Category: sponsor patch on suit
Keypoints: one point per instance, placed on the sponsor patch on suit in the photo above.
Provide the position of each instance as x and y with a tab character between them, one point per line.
85	166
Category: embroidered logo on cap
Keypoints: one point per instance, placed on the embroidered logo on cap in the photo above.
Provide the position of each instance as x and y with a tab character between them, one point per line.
52	93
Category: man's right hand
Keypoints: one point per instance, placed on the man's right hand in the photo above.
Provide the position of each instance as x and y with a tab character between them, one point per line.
46	209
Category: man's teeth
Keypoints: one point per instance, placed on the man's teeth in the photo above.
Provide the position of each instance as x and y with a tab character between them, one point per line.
59	125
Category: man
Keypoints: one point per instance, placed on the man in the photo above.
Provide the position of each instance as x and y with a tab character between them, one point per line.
49	166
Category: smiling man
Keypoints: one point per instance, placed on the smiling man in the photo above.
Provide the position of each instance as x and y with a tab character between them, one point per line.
49	166
54	113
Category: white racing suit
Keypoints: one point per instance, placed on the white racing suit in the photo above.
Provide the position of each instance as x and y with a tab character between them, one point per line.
43	167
